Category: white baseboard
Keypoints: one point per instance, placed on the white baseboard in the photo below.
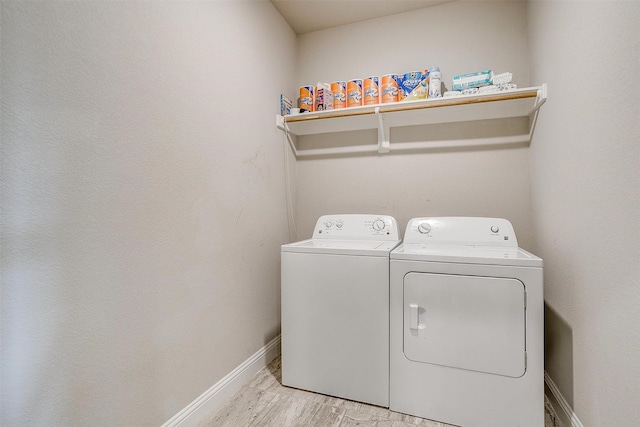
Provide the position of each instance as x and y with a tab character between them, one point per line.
213	398
563	410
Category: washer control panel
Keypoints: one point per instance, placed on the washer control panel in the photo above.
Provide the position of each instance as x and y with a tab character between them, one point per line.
357	227
461	231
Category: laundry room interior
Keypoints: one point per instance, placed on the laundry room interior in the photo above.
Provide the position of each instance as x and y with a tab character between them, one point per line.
147	189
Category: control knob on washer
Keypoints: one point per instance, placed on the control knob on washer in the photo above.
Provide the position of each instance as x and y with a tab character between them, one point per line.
378	225
424	228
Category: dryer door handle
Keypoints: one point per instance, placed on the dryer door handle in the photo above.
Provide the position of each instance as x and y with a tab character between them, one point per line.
414	322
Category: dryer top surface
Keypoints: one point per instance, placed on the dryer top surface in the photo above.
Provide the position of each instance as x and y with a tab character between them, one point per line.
466	254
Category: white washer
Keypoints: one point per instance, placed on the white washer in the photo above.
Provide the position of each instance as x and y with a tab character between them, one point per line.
466	319
335	308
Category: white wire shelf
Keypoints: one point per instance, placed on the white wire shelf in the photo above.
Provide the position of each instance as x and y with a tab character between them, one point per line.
498	105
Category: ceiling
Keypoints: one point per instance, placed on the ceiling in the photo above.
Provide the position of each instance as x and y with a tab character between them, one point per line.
311	15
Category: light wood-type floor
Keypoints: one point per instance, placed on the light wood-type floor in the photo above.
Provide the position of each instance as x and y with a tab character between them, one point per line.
266	402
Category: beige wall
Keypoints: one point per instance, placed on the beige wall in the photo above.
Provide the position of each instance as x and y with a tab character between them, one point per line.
136	266
458	37
142	203
585	159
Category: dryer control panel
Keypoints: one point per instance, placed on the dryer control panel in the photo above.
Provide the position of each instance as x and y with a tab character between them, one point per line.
469	231
357	227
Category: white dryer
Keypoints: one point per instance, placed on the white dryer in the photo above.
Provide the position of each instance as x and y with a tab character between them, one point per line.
466	324
335	308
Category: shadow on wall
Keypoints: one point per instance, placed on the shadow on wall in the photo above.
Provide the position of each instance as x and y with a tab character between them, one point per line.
558	352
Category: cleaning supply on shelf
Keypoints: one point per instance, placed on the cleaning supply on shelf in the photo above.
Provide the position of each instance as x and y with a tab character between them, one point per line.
501	79
306	99
354	93
451	94
339	90
471	80
487	89
435	82
407	82
470	91
421	91
324	97
371	90
389	88
497	88
285	105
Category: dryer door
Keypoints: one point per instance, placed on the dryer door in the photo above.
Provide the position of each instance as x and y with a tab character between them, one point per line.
467	322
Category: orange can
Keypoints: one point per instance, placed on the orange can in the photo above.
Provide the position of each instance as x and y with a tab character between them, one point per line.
389	88
306	99
354	93
339	90
371	90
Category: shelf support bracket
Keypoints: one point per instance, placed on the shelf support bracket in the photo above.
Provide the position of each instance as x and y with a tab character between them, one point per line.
540	99
383	134
533	116
282	125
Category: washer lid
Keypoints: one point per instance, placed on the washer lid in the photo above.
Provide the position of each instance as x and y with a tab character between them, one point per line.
342	247
466	254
